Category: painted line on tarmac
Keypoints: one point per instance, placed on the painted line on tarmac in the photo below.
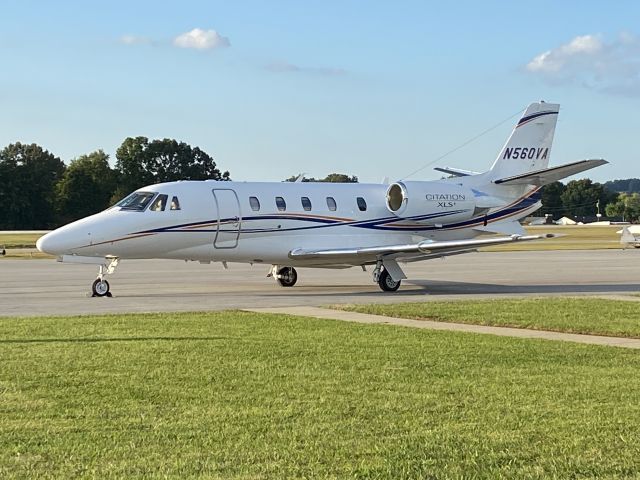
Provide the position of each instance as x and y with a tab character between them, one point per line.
318	312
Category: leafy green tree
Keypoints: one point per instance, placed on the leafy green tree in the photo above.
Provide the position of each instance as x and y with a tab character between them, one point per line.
580	197
28	175
86	187
331	178
626	206
628	185
552	199
142	162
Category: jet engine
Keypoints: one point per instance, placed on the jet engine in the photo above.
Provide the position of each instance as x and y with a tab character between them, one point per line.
431	203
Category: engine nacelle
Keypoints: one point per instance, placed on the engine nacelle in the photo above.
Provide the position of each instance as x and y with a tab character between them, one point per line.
430	203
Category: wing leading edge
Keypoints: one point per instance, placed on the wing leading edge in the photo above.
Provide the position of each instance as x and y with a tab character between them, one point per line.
423	250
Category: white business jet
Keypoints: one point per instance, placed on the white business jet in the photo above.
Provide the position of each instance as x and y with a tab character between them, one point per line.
325	225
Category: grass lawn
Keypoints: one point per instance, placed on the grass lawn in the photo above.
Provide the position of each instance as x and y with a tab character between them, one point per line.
19	240
21	246
575	237
240	395
573	315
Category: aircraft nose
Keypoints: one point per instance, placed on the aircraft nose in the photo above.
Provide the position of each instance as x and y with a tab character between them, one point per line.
52	243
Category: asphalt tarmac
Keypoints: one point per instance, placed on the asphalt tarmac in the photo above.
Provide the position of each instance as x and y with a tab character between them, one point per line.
45	287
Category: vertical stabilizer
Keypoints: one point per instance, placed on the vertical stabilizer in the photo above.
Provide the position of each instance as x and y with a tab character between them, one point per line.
529	146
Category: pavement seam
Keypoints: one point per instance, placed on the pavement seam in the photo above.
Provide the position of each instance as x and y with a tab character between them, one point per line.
342	315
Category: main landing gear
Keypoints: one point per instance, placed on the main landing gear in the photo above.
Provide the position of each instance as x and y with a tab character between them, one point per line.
100	287
383	278
285	276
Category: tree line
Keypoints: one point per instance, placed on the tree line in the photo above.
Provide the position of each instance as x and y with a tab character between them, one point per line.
37	189
584	199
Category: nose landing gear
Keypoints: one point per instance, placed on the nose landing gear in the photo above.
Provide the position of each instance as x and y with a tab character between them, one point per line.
100	287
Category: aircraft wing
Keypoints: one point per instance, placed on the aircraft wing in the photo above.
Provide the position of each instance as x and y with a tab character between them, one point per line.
411	252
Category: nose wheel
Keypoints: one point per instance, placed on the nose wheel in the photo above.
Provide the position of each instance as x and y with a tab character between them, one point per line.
100	288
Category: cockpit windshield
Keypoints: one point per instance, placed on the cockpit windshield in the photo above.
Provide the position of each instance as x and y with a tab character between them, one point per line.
137	201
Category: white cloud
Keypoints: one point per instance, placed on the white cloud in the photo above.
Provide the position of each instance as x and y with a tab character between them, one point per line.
285	67
201	40
589	61
135	40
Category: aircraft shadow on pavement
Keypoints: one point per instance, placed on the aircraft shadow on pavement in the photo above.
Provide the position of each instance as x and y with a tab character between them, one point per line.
414	288
411	288
463	288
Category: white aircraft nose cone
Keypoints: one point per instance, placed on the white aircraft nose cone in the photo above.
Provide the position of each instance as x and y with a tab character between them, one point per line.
50	243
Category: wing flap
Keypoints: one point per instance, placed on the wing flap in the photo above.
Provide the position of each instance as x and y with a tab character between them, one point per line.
426	249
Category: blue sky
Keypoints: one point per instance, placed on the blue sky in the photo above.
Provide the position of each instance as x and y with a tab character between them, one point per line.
272	89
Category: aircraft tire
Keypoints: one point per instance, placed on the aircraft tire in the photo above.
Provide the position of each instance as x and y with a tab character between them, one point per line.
388	284
100	288
287	276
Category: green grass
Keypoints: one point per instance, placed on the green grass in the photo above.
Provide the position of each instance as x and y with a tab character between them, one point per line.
21	246
19	240
240	395
575	237
572	315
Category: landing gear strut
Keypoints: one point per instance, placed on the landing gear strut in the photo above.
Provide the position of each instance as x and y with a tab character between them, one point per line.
100	287
285	276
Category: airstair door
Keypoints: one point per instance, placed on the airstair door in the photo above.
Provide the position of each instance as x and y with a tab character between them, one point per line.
229	218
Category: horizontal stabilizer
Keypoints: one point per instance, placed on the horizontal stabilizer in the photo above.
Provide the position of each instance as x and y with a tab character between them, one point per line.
456	172
550	175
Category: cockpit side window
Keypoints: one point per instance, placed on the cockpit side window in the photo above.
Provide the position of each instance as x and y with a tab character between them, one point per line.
137	201
175	203
159	204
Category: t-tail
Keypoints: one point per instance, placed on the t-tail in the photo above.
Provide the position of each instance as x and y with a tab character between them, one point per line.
529	147
524	160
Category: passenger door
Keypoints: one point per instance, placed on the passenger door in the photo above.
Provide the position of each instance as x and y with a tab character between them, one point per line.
229	218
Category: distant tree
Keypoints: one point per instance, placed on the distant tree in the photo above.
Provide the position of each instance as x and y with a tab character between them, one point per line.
340	178
86	187
142	162
552	199
331	178
580	197
28	175
628	185
626	206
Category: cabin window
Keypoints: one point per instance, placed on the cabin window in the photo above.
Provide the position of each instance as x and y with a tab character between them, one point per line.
306	203
159	204
331	203
362	204
137	201
255	204
281	204
175	203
